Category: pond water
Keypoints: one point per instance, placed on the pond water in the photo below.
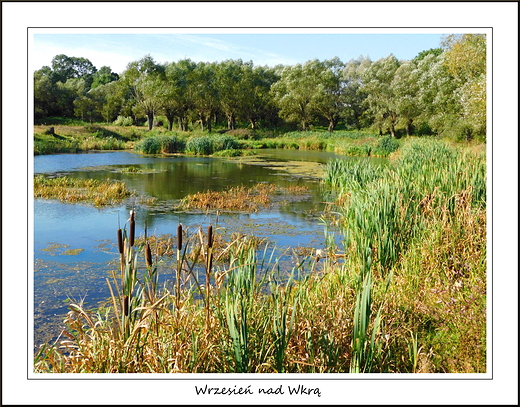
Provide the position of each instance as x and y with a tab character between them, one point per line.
74	244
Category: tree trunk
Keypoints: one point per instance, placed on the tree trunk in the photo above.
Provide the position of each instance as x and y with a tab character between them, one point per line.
149	116
231	122
409	129
332	124
209	123
170	118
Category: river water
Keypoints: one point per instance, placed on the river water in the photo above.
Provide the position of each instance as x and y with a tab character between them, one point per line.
74	244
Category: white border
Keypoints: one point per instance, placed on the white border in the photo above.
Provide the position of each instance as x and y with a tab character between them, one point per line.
16	17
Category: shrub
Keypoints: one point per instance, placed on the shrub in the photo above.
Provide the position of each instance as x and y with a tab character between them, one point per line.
200	145
386	146
225	142
149	145
124	121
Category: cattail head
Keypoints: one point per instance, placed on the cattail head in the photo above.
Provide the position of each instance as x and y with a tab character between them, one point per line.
132	227
148	255
125	305
179	237
210	236
120	240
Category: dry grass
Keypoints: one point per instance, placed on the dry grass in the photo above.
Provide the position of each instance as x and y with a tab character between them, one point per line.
71	190
238	198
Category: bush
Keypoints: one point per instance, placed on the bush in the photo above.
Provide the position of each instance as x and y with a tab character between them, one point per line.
386	146
200	145
149	145
124	121
225	142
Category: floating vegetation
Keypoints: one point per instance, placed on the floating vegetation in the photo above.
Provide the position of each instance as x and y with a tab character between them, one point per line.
239	198
67	189
72	252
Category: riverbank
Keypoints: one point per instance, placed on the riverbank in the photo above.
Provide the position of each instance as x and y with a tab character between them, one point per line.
83	138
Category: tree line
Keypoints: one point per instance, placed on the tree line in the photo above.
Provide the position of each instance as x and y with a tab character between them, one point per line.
441	91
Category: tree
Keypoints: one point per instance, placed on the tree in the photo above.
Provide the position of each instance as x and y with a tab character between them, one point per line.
380	95
178	92
255	99
231	84
299	91
103	76
205	93
145	79
65	68
439	106
353	94
405	89
466	61
331	104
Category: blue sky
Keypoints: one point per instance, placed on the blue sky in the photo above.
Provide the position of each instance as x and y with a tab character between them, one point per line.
117	50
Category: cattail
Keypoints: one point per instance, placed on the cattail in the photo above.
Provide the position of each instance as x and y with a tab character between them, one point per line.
125	305
120	240
132	227
210	251
179	237
210	236
148	255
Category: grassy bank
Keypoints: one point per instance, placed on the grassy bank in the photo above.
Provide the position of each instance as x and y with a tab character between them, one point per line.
406	292
82	138
77	138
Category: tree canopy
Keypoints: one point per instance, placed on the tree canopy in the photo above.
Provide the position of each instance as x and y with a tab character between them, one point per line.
441	91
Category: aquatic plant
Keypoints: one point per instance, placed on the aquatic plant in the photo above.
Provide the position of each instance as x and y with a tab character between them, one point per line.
69	189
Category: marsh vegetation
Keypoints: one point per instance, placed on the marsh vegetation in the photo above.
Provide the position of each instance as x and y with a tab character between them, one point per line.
403	290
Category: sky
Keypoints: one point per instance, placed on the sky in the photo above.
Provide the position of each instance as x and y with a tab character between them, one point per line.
117	50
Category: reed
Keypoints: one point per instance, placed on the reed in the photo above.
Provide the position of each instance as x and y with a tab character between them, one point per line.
67	189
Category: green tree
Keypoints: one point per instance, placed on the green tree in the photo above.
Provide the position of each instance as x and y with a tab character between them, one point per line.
103	76
380	95
299	92
466	61
353	93
205	93
439	106
405	88
331	103
145	80
255	98
231	85
65	68
178	92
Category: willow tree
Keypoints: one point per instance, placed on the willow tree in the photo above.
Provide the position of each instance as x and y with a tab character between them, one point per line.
299	92
177	92
380	94
145	80
466	61
205	93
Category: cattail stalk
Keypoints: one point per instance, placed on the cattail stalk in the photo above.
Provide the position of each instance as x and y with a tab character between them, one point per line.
208	269
179	265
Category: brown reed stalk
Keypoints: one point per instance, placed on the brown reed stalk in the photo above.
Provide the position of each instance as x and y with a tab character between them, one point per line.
179	265
208	270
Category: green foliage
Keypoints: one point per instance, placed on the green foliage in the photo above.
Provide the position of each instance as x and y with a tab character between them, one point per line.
160	144
201	145
123	121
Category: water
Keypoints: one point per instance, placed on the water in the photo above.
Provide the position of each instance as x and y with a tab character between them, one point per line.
74	244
